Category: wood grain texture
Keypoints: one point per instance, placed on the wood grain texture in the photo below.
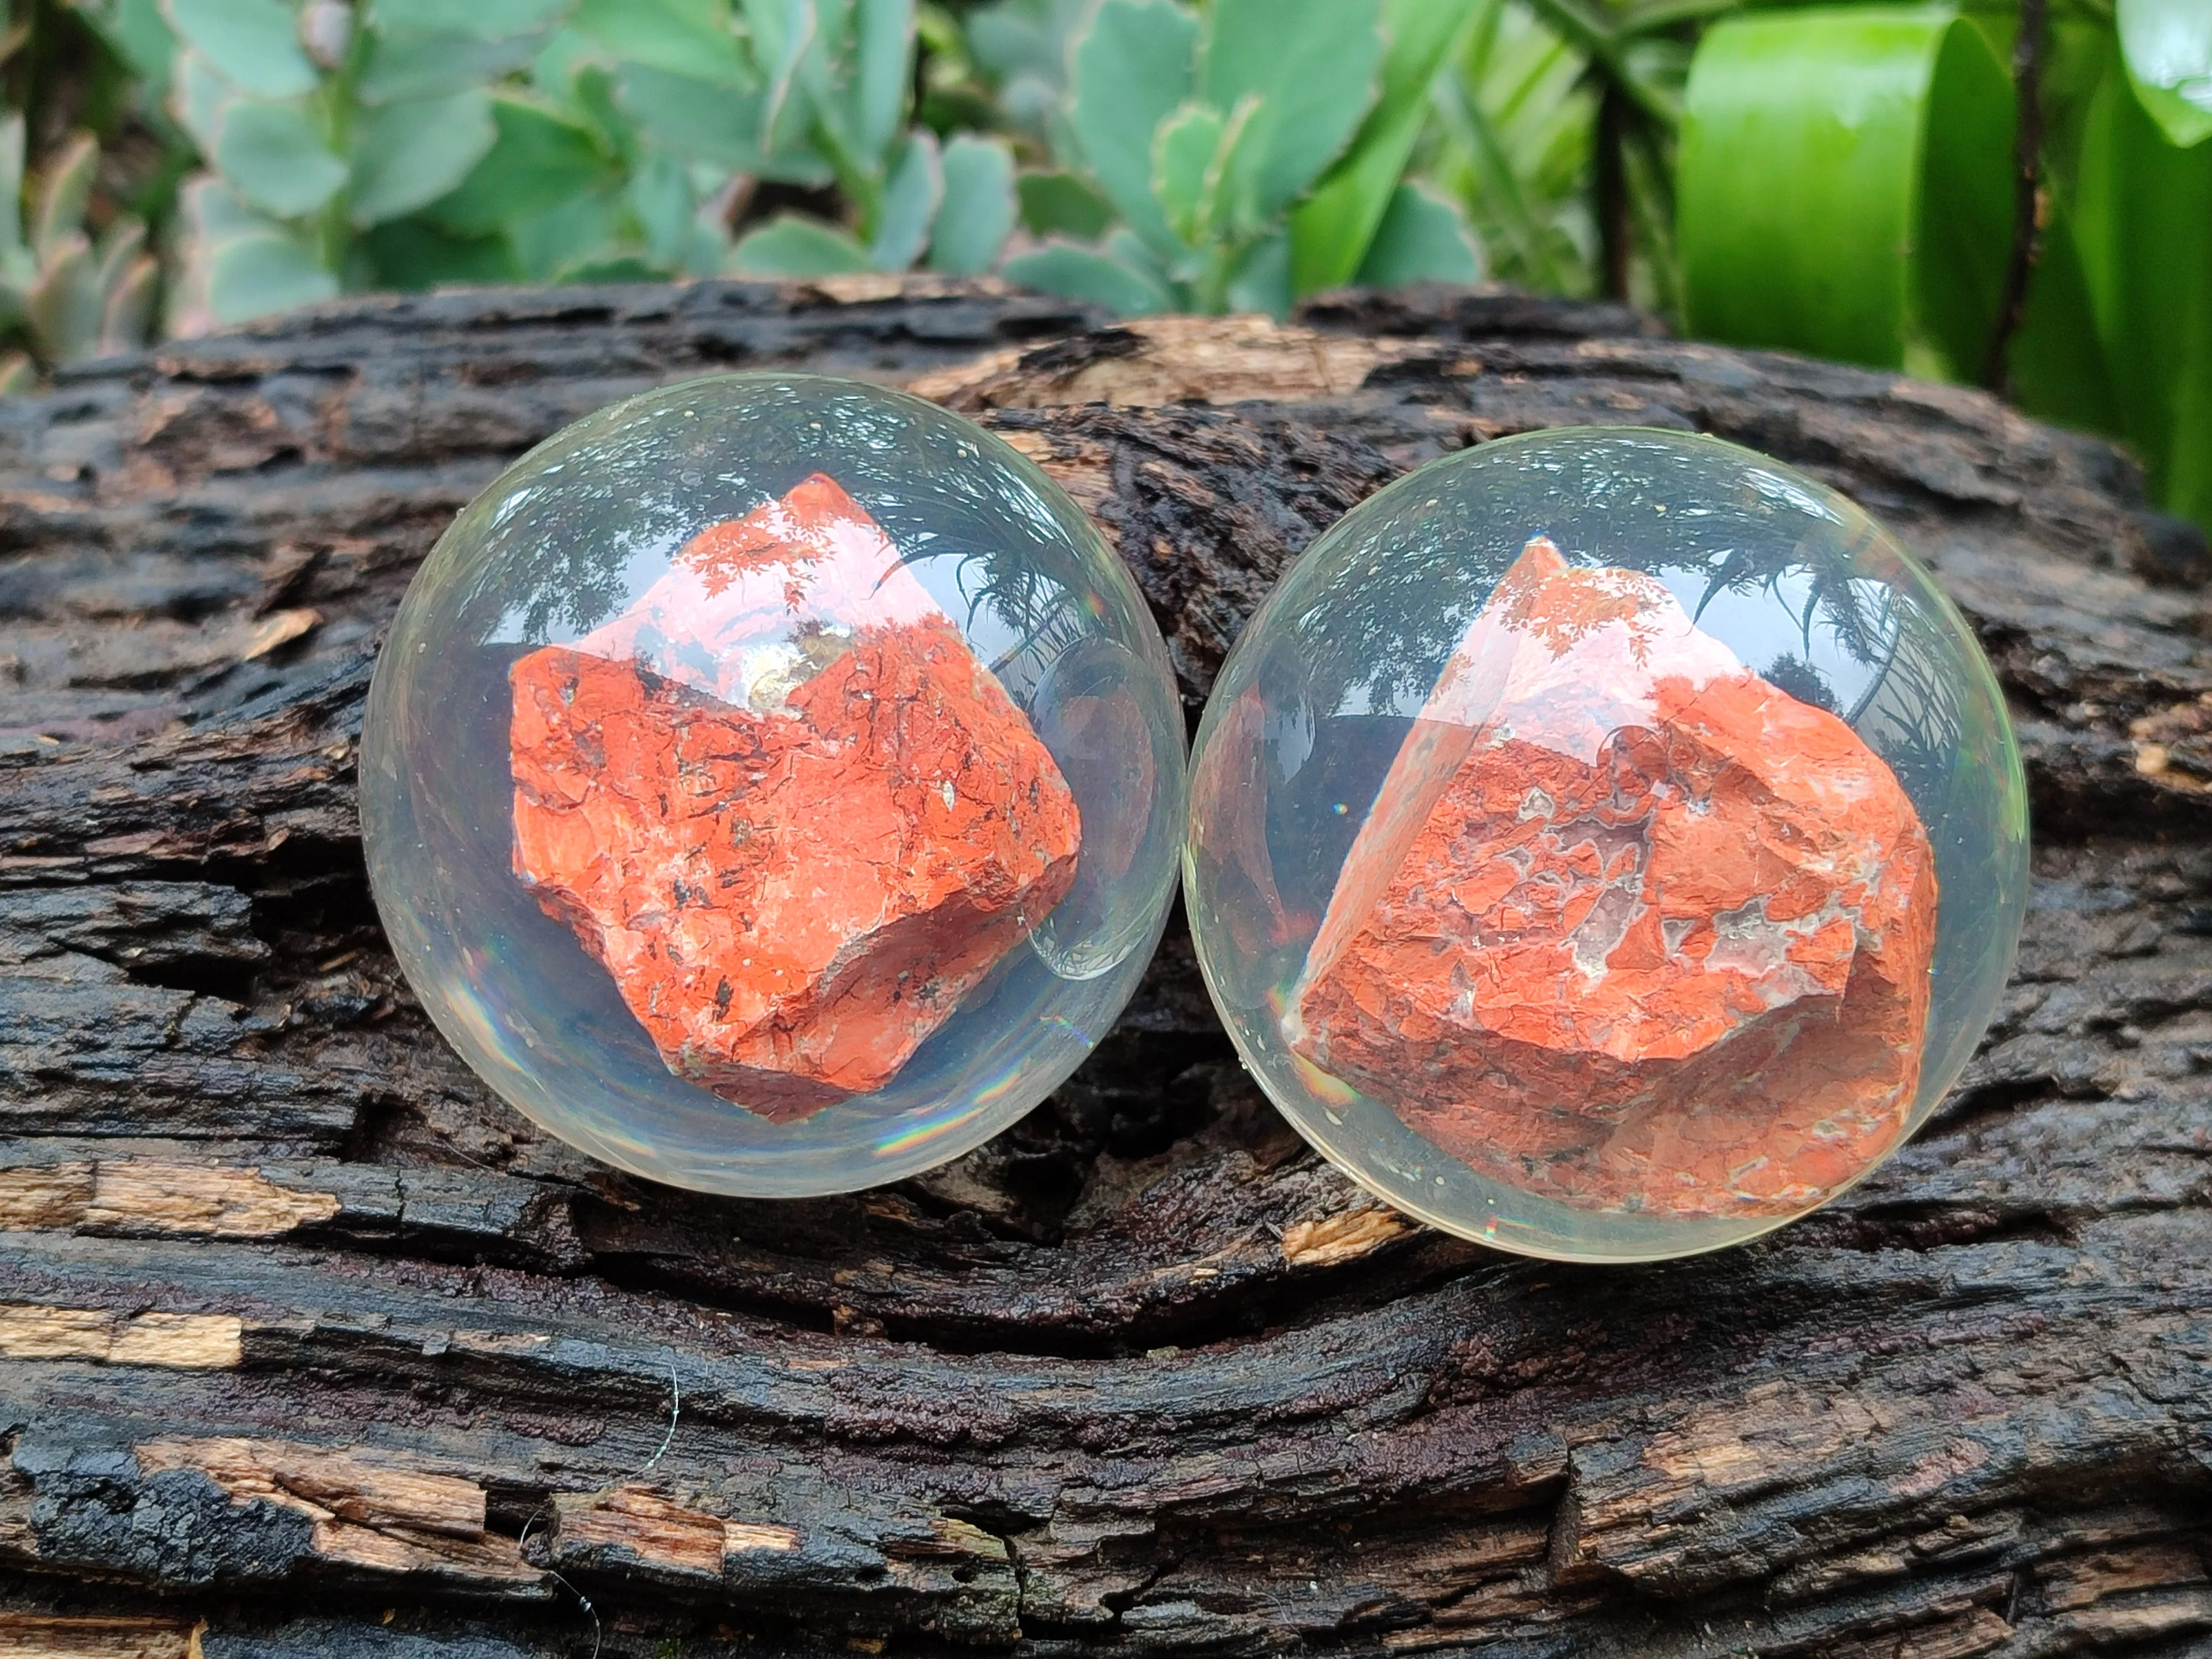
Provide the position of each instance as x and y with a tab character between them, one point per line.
310	1347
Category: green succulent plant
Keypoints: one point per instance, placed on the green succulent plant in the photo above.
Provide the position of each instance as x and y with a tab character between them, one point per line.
829	96
1510	139
321	125
68	294
1255	153
1850	181
1020	48
399	143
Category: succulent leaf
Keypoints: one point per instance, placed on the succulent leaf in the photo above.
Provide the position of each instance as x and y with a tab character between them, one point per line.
791	246
253	44
978	211
274	158
1133	70
63	190
1075	272
1421	238
406	155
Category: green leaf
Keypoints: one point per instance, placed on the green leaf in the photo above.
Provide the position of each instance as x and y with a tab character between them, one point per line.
127	317
417	252
63	305
1422	238
1624	52
2167	46
2078	53
273	157
1261	280
783	37
1084	273
1024	37
976	215
707	251
136	32
1844	184
127	320
2056	367
540	158
211	213
682	37
551	243
1133	70
478	20
62	189
592	95
2143	223
909	204
12	250
1022	47
1331	230
1184	149
659	195
128	279
120	248
406	155
1311	65
17	373
563	55
1515	125
789	246
253	44
619	267
1062	201
696	119
1131	250
198	96
1963	237
882	72
251	276
404	64
240	264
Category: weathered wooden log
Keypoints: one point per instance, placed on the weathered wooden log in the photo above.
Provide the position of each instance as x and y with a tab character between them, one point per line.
309	1346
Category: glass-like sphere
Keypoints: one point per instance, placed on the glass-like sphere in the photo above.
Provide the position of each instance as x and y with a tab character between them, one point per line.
1607	844
772	785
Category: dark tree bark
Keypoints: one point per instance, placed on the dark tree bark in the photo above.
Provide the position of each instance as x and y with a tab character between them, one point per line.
308	1347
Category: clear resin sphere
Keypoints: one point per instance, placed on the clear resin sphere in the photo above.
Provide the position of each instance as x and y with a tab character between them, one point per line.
1607	844
772	785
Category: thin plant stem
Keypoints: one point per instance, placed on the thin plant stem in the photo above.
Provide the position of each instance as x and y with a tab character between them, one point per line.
2026	160
1609	190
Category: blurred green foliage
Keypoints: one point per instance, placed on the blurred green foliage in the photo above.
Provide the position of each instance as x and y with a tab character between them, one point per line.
68	294
1846	179
403	142
1252	153
2014	194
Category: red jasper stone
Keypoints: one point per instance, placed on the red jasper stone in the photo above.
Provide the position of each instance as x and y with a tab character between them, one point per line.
1627	926
783	802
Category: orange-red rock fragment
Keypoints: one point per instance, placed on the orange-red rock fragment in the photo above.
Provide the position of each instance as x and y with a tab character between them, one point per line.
783	802
1627	926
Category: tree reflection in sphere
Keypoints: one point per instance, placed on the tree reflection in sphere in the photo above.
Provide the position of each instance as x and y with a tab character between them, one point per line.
772	784
1607	844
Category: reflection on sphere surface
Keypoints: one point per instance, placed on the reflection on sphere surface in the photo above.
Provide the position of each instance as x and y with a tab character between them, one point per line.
772	785
1607	843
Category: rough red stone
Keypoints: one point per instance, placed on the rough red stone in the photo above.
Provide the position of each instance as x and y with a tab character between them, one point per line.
783	802
1627	926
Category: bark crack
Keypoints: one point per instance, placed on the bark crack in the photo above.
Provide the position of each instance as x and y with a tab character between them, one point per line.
1196	1400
